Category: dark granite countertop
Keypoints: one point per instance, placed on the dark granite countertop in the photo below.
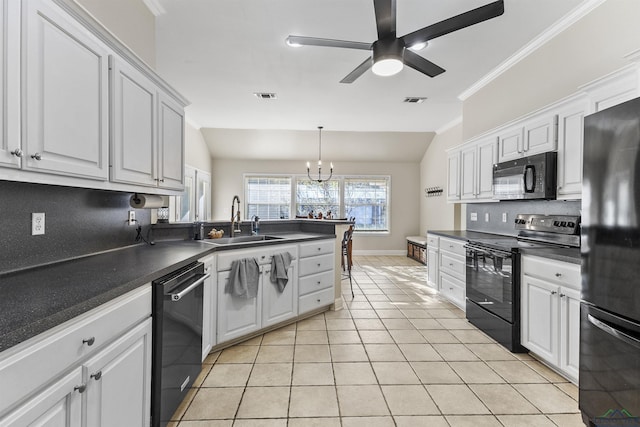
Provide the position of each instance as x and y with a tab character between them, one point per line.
37	299
465	234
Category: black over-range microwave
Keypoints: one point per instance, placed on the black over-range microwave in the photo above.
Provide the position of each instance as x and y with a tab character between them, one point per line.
532	177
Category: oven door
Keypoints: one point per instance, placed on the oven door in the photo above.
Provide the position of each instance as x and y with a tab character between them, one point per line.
489	280
609	368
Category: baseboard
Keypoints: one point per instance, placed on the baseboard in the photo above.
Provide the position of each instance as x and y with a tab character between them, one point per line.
381	252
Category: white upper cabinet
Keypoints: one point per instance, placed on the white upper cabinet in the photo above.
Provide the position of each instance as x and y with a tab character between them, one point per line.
10	145
134	153
534	136
66	102
453	175
570	149
171	143
476	169
487	157
468	172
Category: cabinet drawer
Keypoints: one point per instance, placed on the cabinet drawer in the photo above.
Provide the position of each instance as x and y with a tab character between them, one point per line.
318	247
315	282
47	355
316	264
453	289
262	255
432	241
558	272
315	300
451	245
453	264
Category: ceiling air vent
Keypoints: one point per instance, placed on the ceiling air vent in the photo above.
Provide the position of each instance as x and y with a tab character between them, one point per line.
265	95
414	100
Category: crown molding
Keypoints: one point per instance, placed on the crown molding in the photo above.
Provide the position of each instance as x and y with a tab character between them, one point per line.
155	7
571	18
192	123
447	126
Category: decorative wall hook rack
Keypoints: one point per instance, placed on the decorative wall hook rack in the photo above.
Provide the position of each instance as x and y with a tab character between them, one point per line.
432	191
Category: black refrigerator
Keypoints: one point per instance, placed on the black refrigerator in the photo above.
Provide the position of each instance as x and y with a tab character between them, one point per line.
610	244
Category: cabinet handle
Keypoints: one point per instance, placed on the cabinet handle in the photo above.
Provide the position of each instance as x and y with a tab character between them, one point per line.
553	292
267	271
80	388
319	264
318	300
263	257
90	341
318	282
450	265
558	274
17	152
319	248
36	156
97	375
562	295
162	180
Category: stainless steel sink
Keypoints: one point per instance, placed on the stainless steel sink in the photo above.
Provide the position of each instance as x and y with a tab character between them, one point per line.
241	239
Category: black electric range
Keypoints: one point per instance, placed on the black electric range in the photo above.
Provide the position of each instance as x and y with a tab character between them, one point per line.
493	273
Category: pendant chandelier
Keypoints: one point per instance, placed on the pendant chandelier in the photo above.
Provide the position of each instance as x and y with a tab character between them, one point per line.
320	179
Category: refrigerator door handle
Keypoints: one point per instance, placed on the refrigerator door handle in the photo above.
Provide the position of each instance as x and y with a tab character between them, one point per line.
614	332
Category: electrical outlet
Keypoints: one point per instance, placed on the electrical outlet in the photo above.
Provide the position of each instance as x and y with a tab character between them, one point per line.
474	216
486	217
132	218
504	217
37	223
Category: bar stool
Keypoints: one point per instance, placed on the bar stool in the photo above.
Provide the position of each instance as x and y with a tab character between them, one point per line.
347	261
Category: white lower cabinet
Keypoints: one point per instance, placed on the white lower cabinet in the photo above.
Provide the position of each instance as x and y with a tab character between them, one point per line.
237	316
452	271
210	298
117	379
94	370
279	306
316	276
550	312
433	245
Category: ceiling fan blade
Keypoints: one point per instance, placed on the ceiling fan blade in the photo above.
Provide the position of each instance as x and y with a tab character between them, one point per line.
458	22
314	41
385	18
418	63
360	69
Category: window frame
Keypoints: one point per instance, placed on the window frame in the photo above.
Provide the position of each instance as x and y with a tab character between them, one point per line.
388	202
245	176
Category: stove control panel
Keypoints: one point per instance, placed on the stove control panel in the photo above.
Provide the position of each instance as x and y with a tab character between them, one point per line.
561	224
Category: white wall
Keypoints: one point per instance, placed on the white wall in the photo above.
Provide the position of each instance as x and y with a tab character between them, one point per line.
591	48
130	21
196	150
435	212
227	178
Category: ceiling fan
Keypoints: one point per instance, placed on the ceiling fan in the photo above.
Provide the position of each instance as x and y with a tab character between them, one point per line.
390	53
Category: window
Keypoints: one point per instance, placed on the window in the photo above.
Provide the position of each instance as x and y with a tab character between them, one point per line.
269	197
367	199
314	197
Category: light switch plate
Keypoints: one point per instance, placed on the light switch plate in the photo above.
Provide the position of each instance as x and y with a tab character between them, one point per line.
504	217
37	223
486	217
474	216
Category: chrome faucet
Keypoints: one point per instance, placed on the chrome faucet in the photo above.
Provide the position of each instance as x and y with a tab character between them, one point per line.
235	216
255	225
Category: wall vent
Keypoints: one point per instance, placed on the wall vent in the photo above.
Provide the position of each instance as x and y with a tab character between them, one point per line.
265	95
414	100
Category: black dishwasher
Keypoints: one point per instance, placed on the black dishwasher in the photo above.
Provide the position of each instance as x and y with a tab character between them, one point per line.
177	339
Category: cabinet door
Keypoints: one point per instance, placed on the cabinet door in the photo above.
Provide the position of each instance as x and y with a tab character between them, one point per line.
237	316
210	296
279	306
134	148
539	313
453	176
59	405
540	135
487	156
118	381
171	143
468	173
10	146
66	87
510	144
432	268
570	146
570	331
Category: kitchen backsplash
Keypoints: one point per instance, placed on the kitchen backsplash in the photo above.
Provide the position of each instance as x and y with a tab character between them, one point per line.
77	222
495	211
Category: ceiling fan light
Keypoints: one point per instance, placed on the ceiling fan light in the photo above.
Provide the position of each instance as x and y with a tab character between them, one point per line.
387	67
418	46
292	43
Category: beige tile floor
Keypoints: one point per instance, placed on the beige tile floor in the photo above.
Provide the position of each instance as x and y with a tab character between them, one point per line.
398	355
